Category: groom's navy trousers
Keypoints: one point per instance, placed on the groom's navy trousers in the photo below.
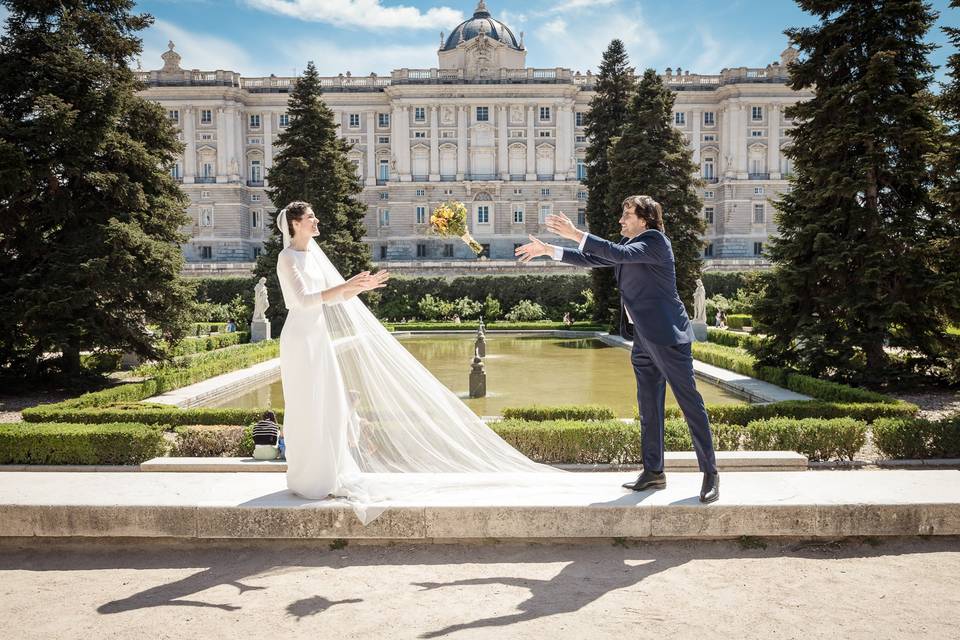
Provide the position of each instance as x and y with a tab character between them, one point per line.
653	315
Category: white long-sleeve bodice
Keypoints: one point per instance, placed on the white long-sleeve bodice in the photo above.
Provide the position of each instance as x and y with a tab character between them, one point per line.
301	280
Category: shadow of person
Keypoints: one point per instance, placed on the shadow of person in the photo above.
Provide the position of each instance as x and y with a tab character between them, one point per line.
317	604
577	585
174	593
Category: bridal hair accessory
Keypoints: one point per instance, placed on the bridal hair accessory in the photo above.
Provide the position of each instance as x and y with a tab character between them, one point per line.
284	228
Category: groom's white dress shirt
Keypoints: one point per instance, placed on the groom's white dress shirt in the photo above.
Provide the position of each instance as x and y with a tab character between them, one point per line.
558	256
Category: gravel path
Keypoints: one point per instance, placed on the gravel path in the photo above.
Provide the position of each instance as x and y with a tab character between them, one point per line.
875	589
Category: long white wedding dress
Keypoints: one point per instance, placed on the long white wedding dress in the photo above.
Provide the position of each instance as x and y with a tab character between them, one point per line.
364	420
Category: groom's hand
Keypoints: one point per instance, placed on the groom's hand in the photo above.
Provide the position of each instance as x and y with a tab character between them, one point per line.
533	249
563	226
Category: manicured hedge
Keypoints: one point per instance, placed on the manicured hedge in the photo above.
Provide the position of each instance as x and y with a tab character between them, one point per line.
815	438
917	438
617	442
147	414
739	320
200	344
188	370
57	443
203	328
547	325
732	338
222	290
555	293
740	361
563	412
742	414
213	441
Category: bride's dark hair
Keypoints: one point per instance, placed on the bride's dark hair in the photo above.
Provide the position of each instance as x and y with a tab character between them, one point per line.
295	210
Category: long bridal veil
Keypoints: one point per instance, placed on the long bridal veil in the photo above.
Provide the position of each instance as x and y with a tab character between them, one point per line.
402	420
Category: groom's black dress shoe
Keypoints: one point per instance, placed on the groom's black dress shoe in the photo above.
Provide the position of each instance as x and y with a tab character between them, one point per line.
710	489
648	480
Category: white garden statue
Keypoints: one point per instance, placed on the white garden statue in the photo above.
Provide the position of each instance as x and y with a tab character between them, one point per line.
260	301
700	303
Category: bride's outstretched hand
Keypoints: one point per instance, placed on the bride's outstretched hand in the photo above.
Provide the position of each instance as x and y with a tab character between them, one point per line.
365	281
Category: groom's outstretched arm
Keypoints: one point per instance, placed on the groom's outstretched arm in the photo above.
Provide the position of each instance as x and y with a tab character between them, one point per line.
536	248
647	249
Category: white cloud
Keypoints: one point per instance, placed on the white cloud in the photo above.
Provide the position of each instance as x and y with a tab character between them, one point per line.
197	50
716	55
574	5
332	59
364	14
582	47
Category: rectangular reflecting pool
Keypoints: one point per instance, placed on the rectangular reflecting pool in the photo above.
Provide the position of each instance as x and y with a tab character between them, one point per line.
522	371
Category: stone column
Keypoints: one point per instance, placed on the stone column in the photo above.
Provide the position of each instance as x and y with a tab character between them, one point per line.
371	149
531	146
190	138
502	162
230	126
726	148
695	138
740	140
267	146
400	141
222	146
240	144
560	156
434	144
461	141
773	143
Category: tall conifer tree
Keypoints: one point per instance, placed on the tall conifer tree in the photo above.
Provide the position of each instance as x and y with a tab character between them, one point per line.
604	121
651	158
858	261
90	216
312	165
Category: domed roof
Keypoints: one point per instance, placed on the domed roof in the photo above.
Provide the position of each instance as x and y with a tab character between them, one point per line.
481	22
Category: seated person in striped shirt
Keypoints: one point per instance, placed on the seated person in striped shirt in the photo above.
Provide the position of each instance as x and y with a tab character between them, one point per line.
266	437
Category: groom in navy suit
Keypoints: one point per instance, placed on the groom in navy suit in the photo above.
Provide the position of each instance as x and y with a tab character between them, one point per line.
653	315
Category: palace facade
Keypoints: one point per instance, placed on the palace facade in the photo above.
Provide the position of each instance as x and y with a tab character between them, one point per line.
481	127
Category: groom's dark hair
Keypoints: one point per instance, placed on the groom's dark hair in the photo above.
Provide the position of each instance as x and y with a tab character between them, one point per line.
295	210
647	209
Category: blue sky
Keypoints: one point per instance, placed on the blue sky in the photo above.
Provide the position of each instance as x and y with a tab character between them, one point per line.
259	37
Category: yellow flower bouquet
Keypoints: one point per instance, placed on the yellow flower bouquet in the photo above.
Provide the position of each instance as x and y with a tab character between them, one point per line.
450	219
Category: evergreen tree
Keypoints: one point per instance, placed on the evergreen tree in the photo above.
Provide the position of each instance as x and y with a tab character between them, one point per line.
604	121
947	164
312	166
858	262
651	158
90	216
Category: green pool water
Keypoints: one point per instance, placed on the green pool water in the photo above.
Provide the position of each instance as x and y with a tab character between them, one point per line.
522	371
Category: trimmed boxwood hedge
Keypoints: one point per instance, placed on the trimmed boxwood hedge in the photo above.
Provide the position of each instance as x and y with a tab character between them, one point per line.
739	320
148	414
743	414
562	412
213	441
738	360
187	370
917	438
815	438
113	444
200	344
547	325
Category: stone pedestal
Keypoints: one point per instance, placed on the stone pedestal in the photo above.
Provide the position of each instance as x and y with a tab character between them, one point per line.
699	330
259	330
478	379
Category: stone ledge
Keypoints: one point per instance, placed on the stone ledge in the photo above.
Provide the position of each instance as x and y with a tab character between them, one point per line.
256	505
675	461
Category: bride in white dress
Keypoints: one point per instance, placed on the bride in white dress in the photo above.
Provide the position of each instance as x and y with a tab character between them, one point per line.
359	409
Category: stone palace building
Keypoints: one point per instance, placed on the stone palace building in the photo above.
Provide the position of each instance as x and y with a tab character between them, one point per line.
481	127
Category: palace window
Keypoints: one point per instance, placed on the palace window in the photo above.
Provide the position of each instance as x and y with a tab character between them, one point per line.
419	134
758	191
581	170
421	250
354	120
483	214
255	197
206	216
483	114
546	133
581	195
578	118
518	214
581	138
383	120
383	139
544	191
757	113
419	114
174	115
680	117
709	118
206	252
421	193
254	120
255	218
383	252
708	215
581	217
284	120
758	214
384	217
544	114
758	248
421	215
709	195
708	250
448	251
545	210
206	116
384	195
709	138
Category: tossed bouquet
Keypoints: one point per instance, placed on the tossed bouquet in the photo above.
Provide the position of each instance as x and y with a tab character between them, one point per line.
450	219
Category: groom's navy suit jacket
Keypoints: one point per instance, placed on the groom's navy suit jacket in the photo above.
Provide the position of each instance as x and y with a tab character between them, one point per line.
647	277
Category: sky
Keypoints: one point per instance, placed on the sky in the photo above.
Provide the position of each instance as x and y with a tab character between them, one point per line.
260	37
